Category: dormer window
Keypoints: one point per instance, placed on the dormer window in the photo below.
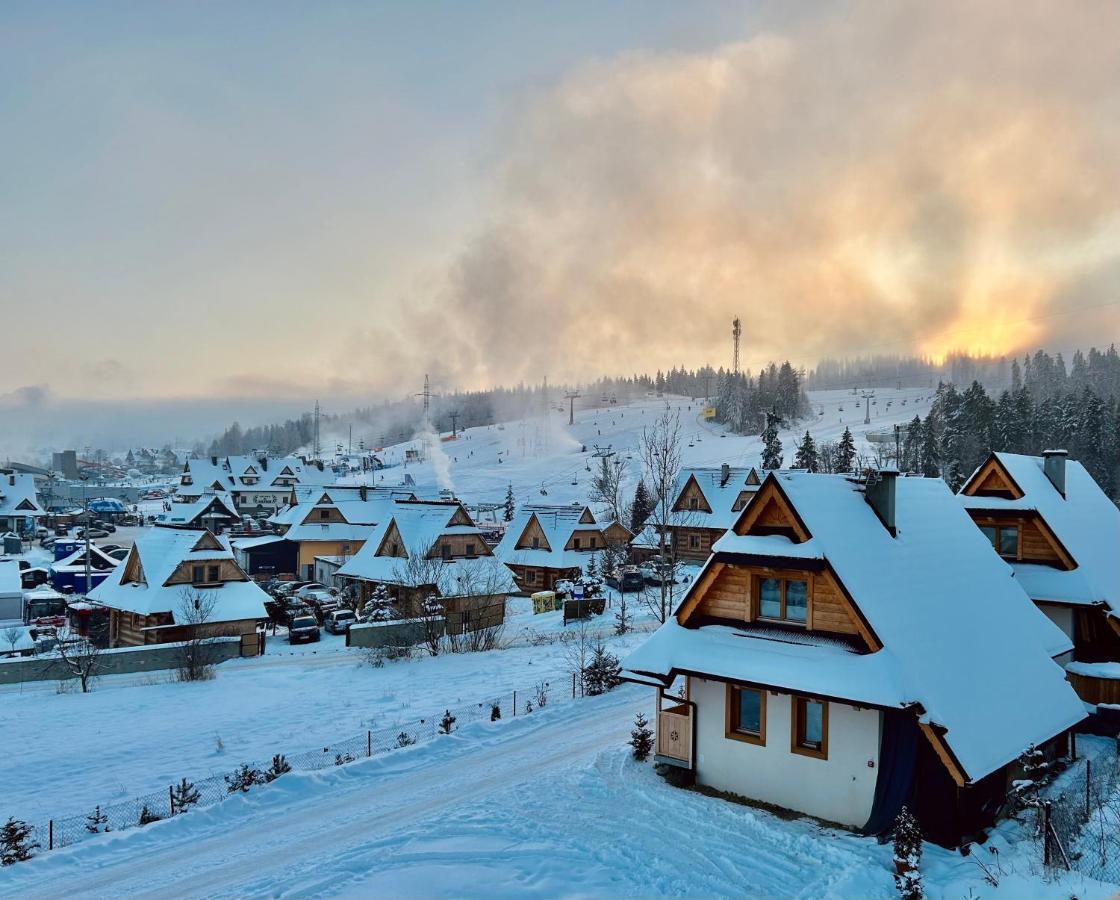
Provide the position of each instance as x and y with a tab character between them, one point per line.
445	551
694	503
536	543
783	600
576	544
324	514
205	575
1005	539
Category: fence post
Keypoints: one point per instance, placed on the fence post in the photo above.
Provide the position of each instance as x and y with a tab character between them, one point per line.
573	685
171	798
515	703
50	835
1073	746
1088	785
369	743
1046	832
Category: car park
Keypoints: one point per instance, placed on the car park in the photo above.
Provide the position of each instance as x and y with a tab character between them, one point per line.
339	621
309	587
303	629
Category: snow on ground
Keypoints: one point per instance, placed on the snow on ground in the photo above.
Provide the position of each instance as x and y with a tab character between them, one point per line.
65	753
539	453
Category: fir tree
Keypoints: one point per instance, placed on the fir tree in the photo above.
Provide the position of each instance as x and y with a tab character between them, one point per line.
495	711
242	779
846	451
907	856
641	738
379	608
603	673
641	508
806	457
771	444
16	844
404	739
147	816
97	821
509	509
447	723
280	766
184	796
912	447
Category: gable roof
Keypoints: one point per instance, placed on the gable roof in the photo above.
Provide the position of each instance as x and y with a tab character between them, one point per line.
188	514
558	524
1085	521
960	638
248	473
157	555
17	495
720	495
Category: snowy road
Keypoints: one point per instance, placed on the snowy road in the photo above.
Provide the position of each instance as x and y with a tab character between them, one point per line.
549	804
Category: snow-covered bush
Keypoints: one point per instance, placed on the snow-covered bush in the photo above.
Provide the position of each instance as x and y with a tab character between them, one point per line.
280	766
97	821
641	738
184	796
447	723
243	778
495	711
907	856
147	816
340	759
540	693
404	739
379	607
602	673
16	844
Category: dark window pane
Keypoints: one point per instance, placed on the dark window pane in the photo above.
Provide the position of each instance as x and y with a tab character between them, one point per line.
1009	541
989	533
770	597
797	600
750	711
813	724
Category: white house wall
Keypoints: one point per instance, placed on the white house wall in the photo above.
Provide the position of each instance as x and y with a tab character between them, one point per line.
840	789
1063	617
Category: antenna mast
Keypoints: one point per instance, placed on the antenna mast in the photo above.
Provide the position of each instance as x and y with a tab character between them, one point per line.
316	447
427	395
736	333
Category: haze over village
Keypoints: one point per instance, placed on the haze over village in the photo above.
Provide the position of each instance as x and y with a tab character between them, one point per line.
560	450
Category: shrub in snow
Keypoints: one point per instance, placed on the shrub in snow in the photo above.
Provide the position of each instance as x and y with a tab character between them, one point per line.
147	816
97	821
183	796
447	723
404	739
622	616
602	673
540	694
280	766
243	778
15	842
495	711
907	856
340	759
528	706
379	607
641	738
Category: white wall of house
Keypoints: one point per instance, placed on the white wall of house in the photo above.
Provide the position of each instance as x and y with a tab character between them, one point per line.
1063	617
840	789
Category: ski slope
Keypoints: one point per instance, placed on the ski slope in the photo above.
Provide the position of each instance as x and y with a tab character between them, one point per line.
545	459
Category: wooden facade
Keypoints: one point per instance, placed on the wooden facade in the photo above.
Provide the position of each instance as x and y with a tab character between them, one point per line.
531	579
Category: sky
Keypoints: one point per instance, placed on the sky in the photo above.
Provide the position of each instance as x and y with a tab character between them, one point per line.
237	207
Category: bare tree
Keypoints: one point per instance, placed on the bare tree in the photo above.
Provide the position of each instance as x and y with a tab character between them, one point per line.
660	451
194	613
78	656
480	586
606	486
12	635
423	578
579	647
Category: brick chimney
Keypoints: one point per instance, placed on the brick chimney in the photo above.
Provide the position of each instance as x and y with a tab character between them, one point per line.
880	491
1054	465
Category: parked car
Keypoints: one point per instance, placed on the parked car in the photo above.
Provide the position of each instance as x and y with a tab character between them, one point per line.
287	588
340	620
303	629
321	602
310	587
657	570
93	533
627	580
118	553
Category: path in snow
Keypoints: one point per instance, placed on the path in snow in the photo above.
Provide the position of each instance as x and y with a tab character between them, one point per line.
549	803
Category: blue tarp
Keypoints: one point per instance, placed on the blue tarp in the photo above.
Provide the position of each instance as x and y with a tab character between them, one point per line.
107	505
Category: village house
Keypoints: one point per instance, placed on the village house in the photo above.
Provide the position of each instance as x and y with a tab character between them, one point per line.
69	573
18	506
853	646
708	501
177	585
1059	532
211	512
430	547
258	485
546	544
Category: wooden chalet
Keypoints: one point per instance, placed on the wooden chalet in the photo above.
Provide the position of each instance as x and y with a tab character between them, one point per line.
708	501
425	548
210	512
1059	532
148	594
256	485
547	544
845	650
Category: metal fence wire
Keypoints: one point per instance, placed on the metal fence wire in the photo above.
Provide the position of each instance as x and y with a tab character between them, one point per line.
1078	827
161	804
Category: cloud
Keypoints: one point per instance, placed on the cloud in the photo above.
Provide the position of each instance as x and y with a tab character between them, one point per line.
31	396
896	178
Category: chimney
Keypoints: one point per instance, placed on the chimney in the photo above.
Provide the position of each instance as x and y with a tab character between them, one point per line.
724	474
880	492
1054	465
362	492
213	460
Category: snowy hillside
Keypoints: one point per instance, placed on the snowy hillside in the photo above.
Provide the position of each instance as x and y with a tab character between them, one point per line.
540	454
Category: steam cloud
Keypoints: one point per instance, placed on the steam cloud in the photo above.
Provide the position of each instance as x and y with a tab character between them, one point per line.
896	178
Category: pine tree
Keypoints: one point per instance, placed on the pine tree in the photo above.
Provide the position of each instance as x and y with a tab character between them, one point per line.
912	447
930	467
641	738
603	673
280	766
806	457
147	816
242	779
15	842
97	821
447	723
908	856
509	509
641	508
379	607
846	451
495	711
184	796
771	444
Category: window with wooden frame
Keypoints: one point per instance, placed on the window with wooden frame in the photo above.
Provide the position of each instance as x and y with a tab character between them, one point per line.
746	715
213	574
531	576
783	599
470	551
576	543
1005	539
198	574
445	551
694	503
810	727
324	514
694	541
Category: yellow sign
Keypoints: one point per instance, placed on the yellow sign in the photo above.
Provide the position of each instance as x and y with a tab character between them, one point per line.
709	412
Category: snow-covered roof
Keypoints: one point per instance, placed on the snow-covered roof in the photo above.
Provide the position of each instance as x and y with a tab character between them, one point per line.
160	554
420	525
1085	521
719	492
189	513
558	524
17	495
10	583
241	473
248	543
77	560
959	636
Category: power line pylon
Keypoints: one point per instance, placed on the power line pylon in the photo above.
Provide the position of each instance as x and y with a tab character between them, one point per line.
736	333
571	397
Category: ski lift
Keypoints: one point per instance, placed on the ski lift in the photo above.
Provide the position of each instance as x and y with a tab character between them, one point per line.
544	493
588	467
575	480
691	444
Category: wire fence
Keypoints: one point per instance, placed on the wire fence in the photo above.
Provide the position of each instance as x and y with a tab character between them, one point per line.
1078	827
177	799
